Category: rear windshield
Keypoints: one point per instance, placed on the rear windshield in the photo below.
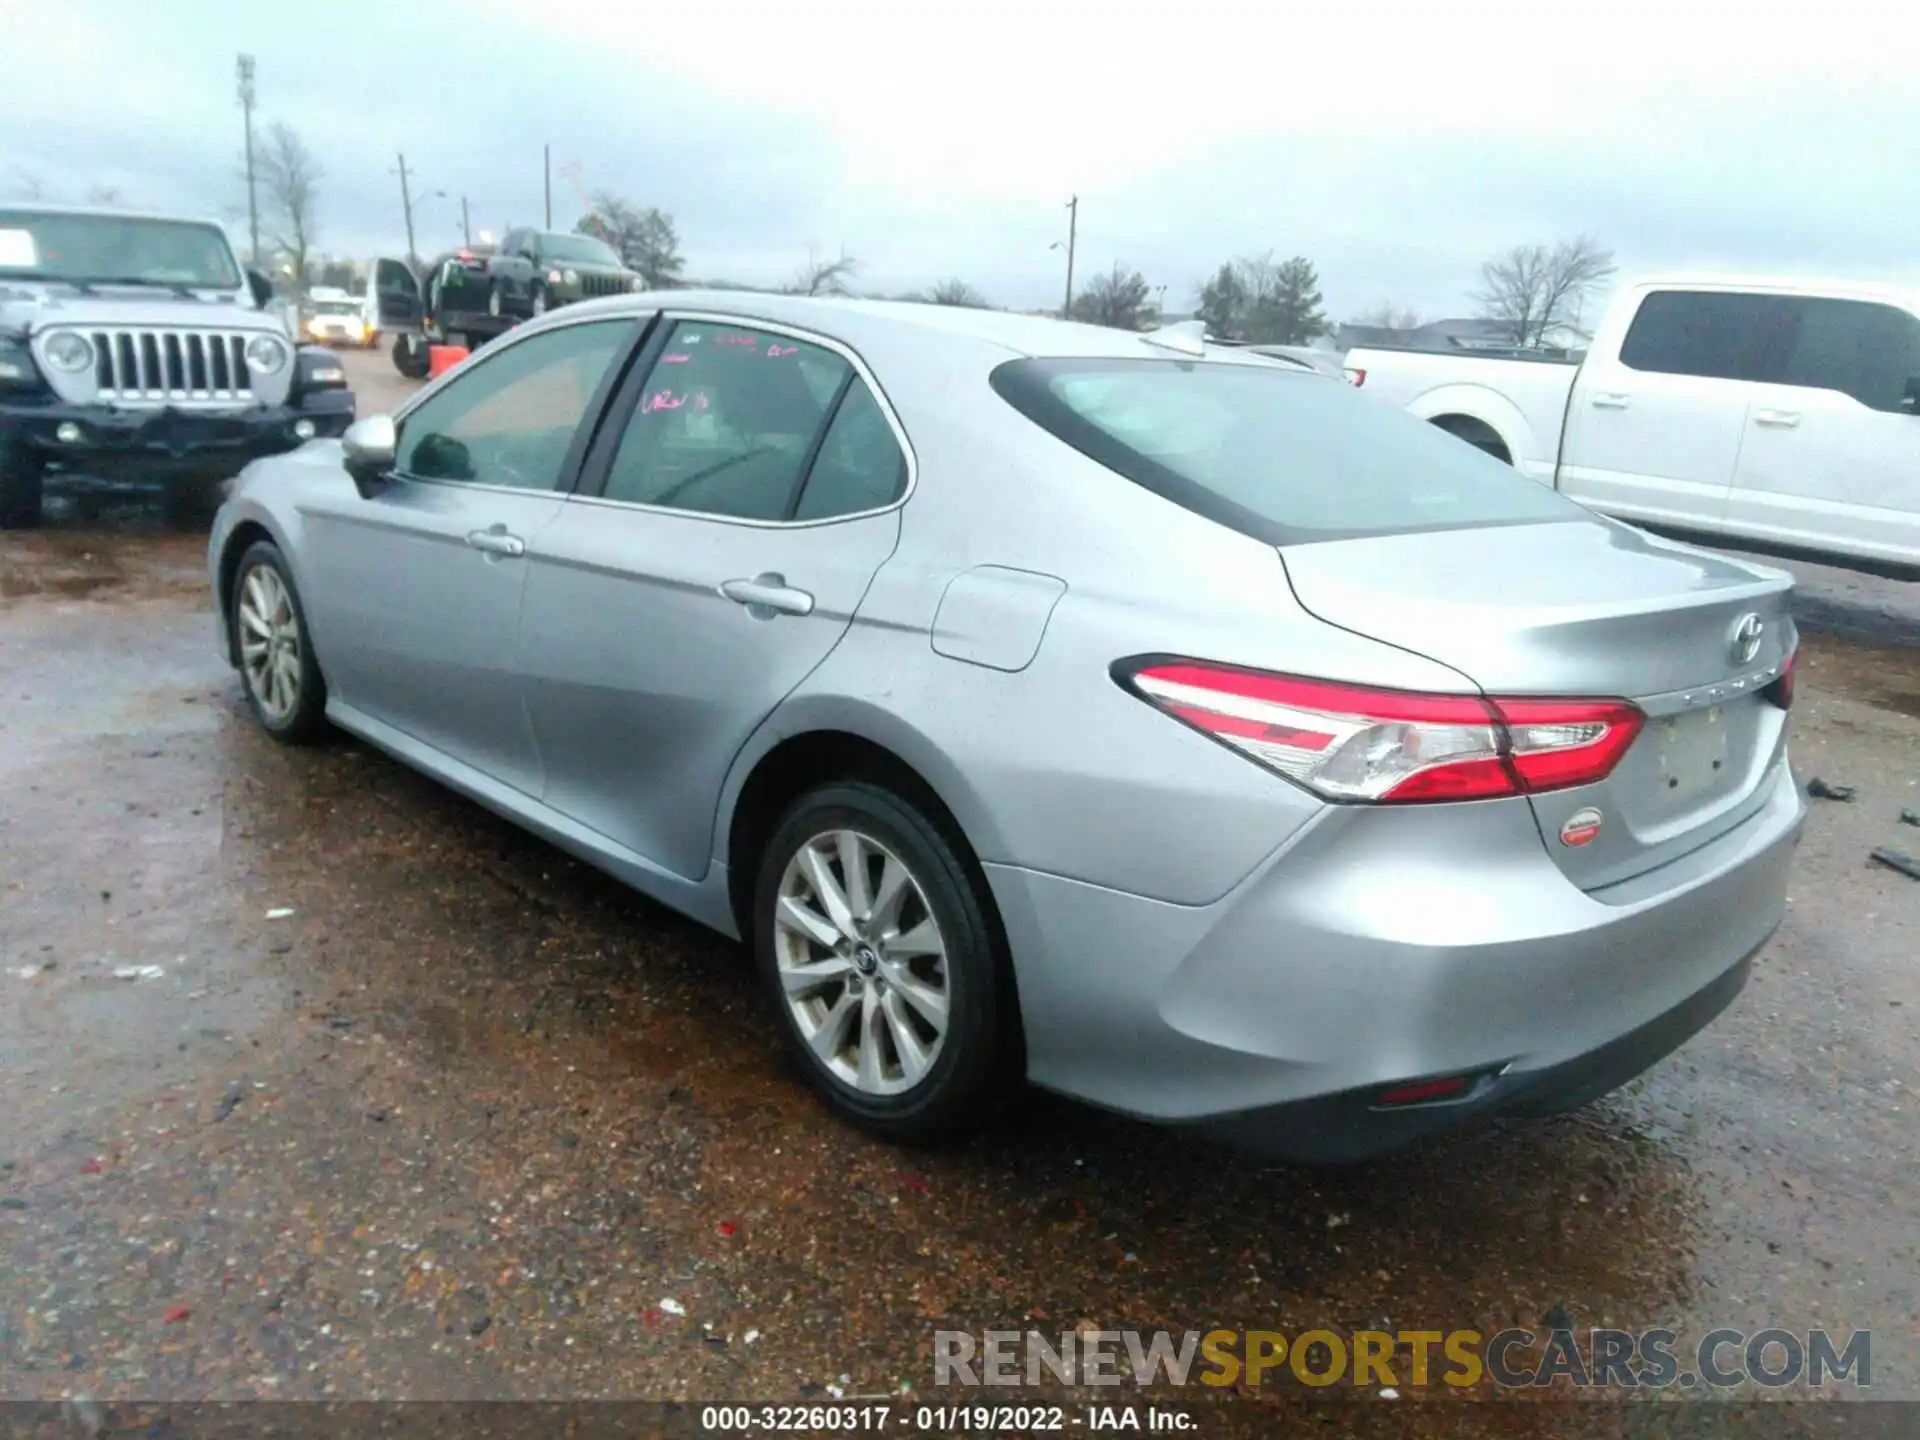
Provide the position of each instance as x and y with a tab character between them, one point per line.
1286	457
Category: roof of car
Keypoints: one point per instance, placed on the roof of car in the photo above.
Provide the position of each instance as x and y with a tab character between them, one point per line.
1024	335
119	212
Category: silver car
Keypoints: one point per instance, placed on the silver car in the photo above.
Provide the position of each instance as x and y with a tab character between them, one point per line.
1150	722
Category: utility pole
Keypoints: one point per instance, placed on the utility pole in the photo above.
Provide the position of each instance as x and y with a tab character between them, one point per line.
406	204
1073	227
244	68
466	226
546	168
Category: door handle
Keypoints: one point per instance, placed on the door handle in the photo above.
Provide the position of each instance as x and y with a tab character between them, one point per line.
769	592
1610	400
496	542
1779	419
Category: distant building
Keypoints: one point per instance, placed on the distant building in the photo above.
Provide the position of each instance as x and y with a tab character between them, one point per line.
1465	334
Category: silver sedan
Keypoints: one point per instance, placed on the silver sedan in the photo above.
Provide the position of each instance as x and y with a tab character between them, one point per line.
1116	713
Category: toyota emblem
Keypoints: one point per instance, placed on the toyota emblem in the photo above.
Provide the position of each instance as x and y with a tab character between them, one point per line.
1746	638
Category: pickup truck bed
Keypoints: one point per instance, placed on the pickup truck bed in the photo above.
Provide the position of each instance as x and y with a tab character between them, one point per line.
1782	416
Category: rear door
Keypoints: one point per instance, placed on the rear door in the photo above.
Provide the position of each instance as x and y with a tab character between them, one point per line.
735	507
1831	458
395	292
1654	428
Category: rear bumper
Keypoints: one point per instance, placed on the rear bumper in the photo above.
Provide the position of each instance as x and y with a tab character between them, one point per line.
1380	948
1350	1126
152	444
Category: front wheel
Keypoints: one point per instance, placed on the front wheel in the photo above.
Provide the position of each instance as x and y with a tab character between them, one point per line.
285	689
410	357
875	950
540	302
22	484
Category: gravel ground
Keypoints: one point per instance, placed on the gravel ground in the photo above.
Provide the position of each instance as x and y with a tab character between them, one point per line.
414	1106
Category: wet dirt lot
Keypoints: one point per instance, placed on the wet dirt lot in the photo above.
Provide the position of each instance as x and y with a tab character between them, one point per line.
413	1106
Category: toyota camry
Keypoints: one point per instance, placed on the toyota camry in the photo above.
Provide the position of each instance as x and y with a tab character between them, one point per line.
1146	720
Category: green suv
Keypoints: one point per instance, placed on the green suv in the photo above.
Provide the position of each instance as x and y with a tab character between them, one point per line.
534	271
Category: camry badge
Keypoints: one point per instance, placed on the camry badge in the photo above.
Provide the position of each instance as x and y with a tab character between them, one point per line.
1746	638
1581	827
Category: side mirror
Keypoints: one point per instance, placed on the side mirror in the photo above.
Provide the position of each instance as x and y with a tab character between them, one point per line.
368	449
261	287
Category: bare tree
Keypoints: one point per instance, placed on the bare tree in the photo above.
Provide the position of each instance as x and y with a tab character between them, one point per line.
1389	316
103	195
291	175
1119	297
27	186
646	238
825	277
957	292
1532	288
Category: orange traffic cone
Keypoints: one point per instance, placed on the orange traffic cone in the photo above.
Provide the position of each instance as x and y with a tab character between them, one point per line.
442	358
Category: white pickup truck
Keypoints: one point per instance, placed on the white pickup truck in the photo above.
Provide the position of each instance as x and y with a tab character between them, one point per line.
1781	416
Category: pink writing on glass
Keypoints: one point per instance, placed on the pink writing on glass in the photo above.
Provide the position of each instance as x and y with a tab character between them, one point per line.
667	400
675	359
738	340
777	349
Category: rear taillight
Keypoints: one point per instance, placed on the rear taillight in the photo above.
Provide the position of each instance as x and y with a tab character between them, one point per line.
1348	742
1355	377
1780	691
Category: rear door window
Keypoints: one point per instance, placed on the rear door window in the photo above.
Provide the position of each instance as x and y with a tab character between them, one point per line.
1862	349
727	421
1715	334
1279	455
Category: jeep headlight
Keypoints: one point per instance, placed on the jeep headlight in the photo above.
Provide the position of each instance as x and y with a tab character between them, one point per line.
553	277
639	283
572	277
70	352
266	354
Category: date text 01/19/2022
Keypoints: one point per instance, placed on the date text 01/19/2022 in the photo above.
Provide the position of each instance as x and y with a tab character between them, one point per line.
850	1417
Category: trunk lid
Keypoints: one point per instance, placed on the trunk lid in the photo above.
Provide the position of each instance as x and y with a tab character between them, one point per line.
1590	609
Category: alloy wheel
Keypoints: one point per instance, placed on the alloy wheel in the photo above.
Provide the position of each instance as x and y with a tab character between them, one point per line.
862	962
270	643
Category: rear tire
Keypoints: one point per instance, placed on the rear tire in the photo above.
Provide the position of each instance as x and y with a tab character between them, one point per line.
22	486
913	1069
278	671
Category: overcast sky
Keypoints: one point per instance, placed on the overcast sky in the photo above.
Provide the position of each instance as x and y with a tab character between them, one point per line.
1394	144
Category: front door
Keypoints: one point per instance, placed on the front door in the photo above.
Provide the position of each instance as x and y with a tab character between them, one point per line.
1831	458
1653	433
396	296
415	592
732	515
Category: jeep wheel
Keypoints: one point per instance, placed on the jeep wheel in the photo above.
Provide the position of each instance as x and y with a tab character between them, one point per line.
21	484
496	302
540	302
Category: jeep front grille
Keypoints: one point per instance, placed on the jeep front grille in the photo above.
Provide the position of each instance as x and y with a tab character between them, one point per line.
595	286
172	367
